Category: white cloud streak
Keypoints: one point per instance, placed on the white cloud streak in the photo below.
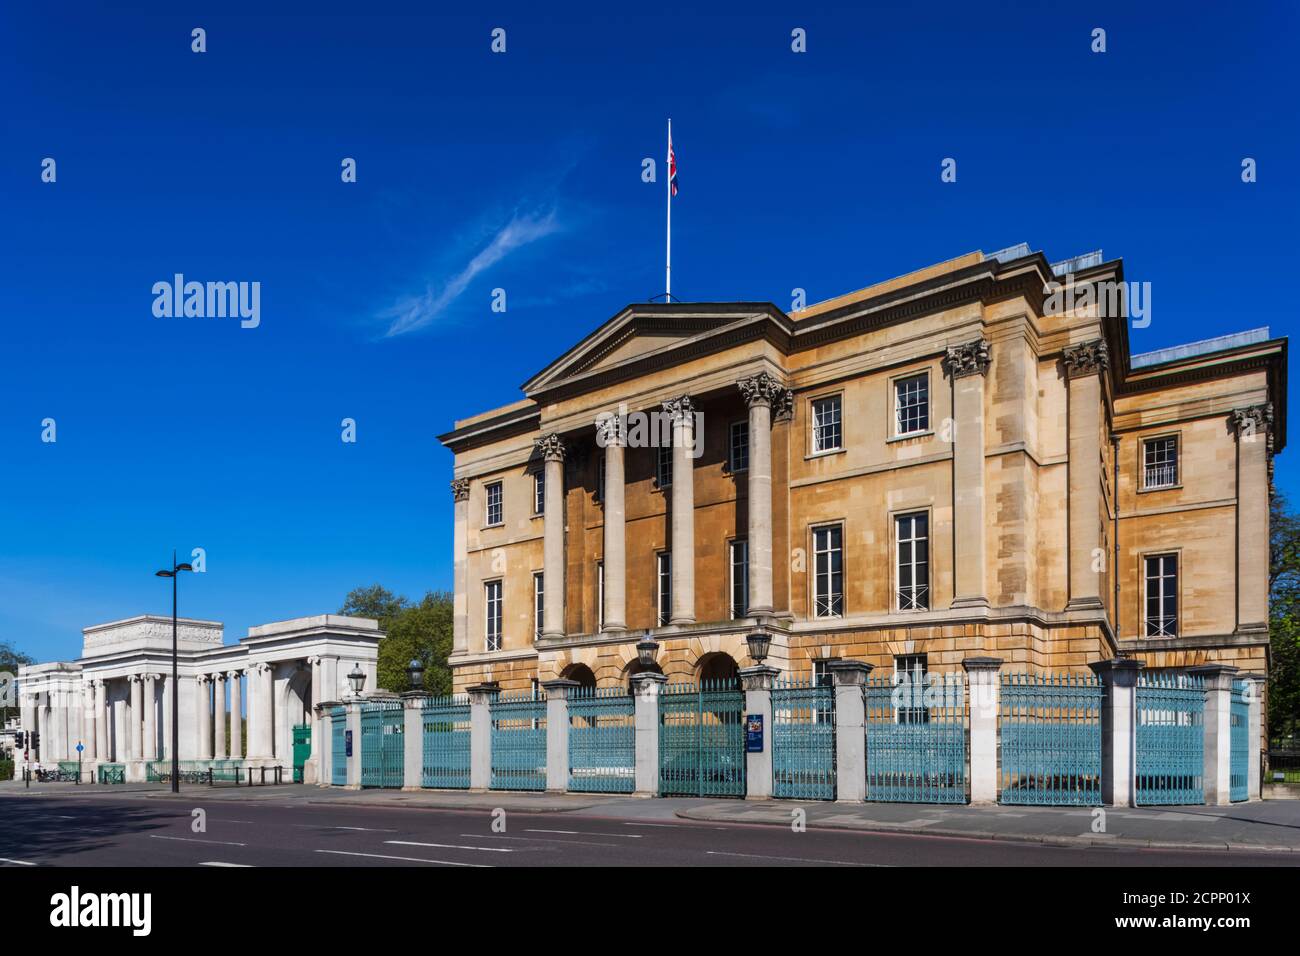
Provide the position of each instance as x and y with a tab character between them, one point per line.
416	312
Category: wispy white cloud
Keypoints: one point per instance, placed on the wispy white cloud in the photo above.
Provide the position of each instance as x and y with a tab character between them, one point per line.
415	312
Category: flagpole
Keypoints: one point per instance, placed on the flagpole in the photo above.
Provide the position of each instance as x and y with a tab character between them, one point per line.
668	252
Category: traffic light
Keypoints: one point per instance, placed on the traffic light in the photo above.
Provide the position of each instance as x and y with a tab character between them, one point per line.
35	739
20	741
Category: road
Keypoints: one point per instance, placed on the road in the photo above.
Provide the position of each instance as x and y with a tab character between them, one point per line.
79	830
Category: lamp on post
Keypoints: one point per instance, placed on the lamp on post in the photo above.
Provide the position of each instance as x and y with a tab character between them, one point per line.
646	651
174	573
760	642
357	679
415	674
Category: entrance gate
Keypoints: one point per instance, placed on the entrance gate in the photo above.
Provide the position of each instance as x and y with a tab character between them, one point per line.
1239	744
1170	740
338	747
916	740
382	749
301	750
702	740
803	739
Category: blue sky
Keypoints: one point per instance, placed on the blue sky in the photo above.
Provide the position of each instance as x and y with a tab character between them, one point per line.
522	171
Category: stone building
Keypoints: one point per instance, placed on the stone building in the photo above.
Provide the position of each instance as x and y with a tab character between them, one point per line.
116	699
950	463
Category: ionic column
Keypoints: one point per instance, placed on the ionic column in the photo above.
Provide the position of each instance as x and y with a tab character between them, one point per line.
1253	427
967	364
611	438
150	717
102	748
169	689
236	716
683	497
265	710
219	715
203	701
553	546
460	582
761	392
1084	365
90	720
135	723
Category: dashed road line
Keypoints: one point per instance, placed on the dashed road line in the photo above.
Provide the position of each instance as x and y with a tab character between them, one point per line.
403	859
452	846
155	836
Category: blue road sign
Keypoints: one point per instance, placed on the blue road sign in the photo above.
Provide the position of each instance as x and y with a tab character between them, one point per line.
80	748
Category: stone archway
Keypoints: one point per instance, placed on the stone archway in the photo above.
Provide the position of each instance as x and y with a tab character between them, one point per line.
580	673
292	707
718	668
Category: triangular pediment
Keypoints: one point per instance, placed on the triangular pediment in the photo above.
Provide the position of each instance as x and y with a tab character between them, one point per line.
639	334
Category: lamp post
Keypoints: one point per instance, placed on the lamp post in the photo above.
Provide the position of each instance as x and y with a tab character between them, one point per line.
646	651
760	642
174	573
415	674
357	679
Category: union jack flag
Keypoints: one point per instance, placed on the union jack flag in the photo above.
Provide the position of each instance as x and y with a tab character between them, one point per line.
672	166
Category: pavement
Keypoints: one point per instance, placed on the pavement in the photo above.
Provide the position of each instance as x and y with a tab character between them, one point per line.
1258	827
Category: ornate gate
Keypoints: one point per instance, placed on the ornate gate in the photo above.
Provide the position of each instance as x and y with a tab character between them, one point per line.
1050	740
446	742
702	740
602	740
382	752
338	747
1239	744
301	750
803	739
519	742
916	740
1170	740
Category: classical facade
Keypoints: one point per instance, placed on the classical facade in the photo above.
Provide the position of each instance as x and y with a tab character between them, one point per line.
116	700
945	465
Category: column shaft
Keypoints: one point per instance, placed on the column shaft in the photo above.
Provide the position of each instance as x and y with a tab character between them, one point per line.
136	719
1084	364
615	612
460	567
553	544
1252	425
967	364
236	717
683	511
219	749
759	532
150	718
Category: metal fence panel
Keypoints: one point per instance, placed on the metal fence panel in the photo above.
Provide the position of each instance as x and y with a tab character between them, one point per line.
338	747
518	742
602	740
1170	740
1050	728
446	742
382	749
702	740
111	773
916	740
1239	744
803	739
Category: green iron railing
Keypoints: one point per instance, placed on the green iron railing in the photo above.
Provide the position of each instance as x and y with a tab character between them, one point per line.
338	747
602	740
301	750
111	773
1239	744
702	739
518	742
803	739
916	740
446	742
1050	727
195	771
1169	738
382	750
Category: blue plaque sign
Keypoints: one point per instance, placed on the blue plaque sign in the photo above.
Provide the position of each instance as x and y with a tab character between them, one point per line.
347	742
753	733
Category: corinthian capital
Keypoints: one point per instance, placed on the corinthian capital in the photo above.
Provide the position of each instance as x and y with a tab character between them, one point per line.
551	447
1252	420
460	489
681	410
1087	358
609	430
762	389
969	358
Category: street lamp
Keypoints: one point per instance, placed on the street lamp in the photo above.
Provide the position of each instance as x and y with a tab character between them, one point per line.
357	679
759	643
647	650
174	573
415	674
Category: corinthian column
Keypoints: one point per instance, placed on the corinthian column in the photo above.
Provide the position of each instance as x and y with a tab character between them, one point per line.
1084	365
682	413
150	718
761	392
460	558
610	435
219	715
136	723
1253	427
236	716
553	546
967	364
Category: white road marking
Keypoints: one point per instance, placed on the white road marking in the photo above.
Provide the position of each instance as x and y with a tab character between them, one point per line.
453	846
670	826
497	836
405	859
155	836
5	859
215	863
790	859
621	836
326	826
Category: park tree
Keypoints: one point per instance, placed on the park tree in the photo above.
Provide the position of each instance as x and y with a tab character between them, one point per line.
1284	619
415	631
10	660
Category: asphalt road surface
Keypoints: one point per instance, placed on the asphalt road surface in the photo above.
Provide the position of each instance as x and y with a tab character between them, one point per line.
117	832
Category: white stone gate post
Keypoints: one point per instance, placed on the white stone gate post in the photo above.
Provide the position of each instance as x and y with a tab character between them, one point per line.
480	735
647	686
983	678
557	734
1119	677
413	739
848	679
353	728
325	748
1218	731
757	682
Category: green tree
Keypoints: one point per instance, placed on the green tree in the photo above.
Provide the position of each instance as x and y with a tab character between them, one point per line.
1284	619
420	631
10	660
